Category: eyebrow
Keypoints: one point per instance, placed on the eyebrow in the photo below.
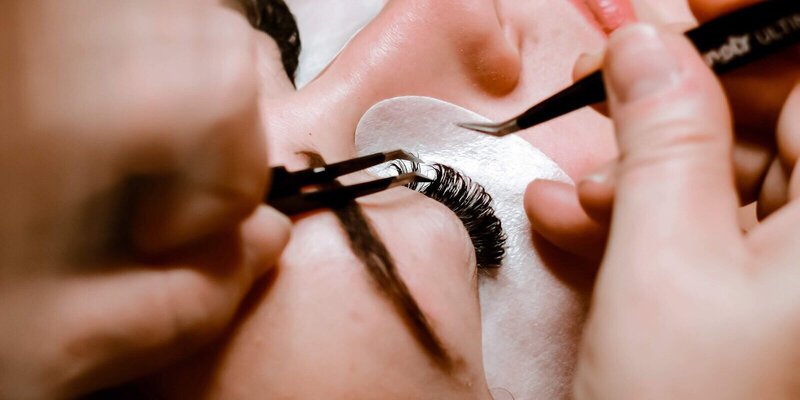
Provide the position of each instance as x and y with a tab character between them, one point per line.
371	251
274	18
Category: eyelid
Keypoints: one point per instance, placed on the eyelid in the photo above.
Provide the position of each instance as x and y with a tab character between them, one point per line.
471	204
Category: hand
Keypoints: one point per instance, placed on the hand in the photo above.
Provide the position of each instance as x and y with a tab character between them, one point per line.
131	155
764	154
686	306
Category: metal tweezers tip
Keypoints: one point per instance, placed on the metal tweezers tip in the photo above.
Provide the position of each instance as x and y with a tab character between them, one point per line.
494	129
408	178
402	155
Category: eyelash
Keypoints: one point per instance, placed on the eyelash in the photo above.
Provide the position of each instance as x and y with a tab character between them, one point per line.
471	203
274	18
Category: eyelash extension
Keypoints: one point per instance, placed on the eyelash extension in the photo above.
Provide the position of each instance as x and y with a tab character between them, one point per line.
274	18
471	203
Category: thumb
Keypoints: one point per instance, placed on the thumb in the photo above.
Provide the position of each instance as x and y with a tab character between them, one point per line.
675	181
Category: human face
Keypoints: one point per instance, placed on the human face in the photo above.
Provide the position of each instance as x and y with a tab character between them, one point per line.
319	328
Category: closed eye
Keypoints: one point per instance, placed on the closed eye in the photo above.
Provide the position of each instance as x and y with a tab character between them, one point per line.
471	204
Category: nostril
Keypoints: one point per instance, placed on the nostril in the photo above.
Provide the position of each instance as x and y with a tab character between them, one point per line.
494	63
492	56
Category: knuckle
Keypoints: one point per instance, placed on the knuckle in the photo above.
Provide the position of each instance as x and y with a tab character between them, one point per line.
683	142
199	81
68	361
190	310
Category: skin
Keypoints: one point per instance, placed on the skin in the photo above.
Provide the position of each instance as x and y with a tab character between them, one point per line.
234	372
97	285
765	151
485	57
686	305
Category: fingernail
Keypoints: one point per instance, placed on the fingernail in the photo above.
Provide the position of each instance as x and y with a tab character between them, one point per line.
639	64
592	57
595	178
280	218
588	63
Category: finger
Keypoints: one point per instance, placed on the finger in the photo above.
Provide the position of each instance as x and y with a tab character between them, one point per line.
789	141
780	182
585	65
774	192
142	318
776	235
202	148
751	159
788	131
757	92
589	63
596	193
556	214
705	10
794	185
675	177
163	93
218	189
596	190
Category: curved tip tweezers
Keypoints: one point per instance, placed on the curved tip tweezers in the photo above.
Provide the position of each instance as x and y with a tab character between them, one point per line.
289	197
494	129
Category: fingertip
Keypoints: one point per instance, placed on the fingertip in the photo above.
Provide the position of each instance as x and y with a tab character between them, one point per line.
171	216
794	184
539	195
266	233
788	130
774	192
588	63
751	162
596	193
555	213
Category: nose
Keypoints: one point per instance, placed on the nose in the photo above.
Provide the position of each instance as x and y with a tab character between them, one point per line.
455	44
486	49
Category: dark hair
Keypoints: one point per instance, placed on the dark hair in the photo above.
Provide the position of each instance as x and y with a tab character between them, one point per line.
370	250
274	18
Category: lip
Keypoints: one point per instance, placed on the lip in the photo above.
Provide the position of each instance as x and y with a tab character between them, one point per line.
606	15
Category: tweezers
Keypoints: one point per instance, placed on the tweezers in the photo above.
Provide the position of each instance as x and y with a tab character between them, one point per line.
766	28
314	188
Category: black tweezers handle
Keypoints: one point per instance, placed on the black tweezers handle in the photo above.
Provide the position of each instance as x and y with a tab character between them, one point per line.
288	196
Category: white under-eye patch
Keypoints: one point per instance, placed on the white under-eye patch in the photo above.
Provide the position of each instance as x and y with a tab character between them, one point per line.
326	26
512	301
